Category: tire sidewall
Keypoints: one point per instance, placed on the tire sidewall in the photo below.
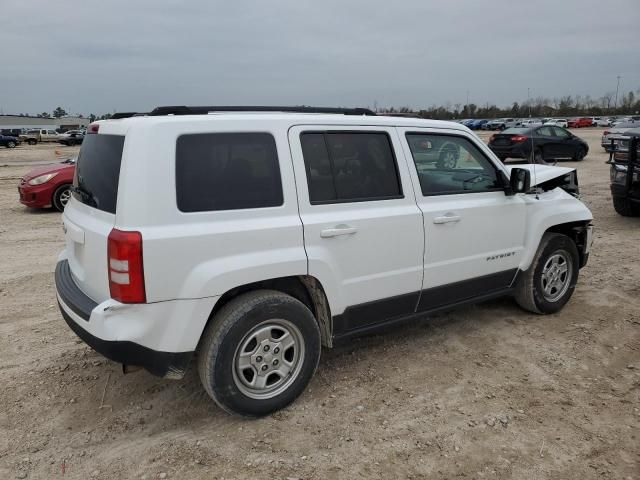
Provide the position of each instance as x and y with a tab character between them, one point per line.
555	243
227	393
11	144
56	197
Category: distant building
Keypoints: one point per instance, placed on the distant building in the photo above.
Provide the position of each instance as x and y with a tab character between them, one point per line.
62	123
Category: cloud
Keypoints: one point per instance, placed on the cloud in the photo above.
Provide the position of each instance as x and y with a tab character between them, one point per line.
134	55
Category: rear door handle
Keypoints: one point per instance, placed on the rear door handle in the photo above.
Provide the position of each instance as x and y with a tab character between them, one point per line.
448	218
337	231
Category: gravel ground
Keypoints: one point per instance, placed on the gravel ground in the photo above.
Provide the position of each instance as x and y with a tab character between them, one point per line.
487	391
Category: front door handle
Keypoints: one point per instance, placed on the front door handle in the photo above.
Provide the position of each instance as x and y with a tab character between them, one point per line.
337	231
448	218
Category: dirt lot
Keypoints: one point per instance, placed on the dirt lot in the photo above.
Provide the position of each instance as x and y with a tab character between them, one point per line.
484	392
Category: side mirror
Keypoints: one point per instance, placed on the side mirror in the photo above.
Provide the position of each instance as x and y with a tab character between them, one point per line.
520	181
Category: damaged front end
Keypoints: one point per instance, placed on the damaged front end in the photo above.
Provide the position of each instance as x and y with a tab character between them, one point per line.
545	178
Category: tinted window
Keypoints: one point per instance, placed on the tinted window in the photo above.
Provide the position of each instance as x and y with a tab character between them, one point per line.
544	132
451	164
98	171
560	132
349	166
227	171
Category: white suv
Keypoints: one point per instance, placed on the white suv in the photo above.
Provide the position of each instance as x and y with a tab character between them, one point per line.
253	238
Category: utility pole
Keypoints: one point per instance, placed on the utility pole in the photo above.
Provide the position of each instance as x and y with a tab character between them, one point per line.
467	102
529	100
615	108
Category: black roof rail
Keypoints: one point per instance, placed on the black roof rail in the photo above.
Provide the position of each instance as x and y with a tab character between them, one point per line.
117	115
183	110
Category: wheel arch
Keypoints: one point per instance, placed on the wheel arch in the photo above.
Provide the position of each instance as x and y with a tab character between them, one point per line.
574	229
305	288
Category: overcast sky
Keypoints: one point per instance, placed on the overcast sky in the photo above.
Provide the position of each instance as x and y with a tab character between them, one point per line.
99	56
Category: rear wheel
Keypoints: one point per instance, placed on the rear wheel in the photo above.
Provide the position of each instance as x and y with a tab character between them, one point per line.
580	154
61	197
32	141
11	144
626	208
259	352
538	157
551	279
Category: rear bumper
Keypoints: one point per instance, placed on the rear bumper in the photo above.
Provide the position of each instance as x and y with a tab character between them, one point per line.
77	309
509	151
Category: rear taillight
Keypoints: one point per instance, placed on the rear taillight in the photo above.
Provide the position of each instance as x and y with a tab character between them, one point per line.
606	132
493	137
126	272
519	138
93	128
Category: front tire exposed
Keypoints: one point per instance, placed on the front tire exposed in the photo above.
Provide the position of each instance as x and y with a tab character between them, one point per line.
259	352
551	279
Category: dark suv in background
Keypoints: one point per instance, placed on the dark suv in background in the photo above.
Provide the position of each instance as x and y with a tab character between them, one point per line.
625	174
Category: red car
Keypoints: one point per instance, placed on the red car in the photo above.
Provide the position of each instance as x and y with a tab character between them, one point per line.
580	122
48	185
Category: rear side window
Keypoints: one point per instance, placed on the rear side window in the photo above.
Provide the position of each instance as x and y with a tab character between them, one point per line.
98	171
350	167
227	171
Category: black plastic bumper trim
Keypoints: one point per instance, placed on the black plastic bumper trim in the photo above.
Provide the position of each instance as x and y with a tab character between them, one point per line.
162	364
70	294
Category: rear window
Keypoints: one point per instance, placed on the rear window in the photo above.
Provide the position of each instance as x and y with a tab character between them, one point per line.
349	167
227	171
98	171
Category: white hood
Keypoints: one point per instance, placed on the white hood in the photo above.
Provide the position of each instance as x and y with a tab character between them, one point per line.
542	173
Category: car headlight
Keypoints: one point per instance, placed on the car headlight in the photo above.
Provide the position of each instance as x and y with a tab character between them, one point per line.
42	179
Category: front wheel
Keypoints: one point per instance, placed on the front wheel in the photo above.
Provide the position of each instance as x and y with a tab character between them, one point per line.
11	144
61	197
259	352
551	279
626	208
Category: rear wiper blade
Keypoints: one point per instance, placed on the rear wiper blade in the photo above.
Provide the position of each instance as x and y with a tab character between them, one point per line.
85	194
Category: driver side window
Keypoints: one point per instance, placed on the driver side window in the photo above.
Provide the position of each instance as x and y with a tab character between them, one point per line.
449	164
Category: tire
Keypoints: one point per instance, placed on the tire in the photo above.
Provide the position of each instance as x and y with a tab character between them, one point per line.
31	141
580	154
61	196
448	159
11	144
538	157
554	249
625	207
248	324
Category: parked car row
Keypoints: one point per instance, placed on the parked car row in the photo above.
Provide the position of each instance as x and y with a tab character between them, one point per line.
574	122
71	137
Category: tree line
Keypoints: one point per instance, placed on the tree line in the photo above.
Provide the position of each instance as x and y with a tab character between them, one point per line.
566	106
